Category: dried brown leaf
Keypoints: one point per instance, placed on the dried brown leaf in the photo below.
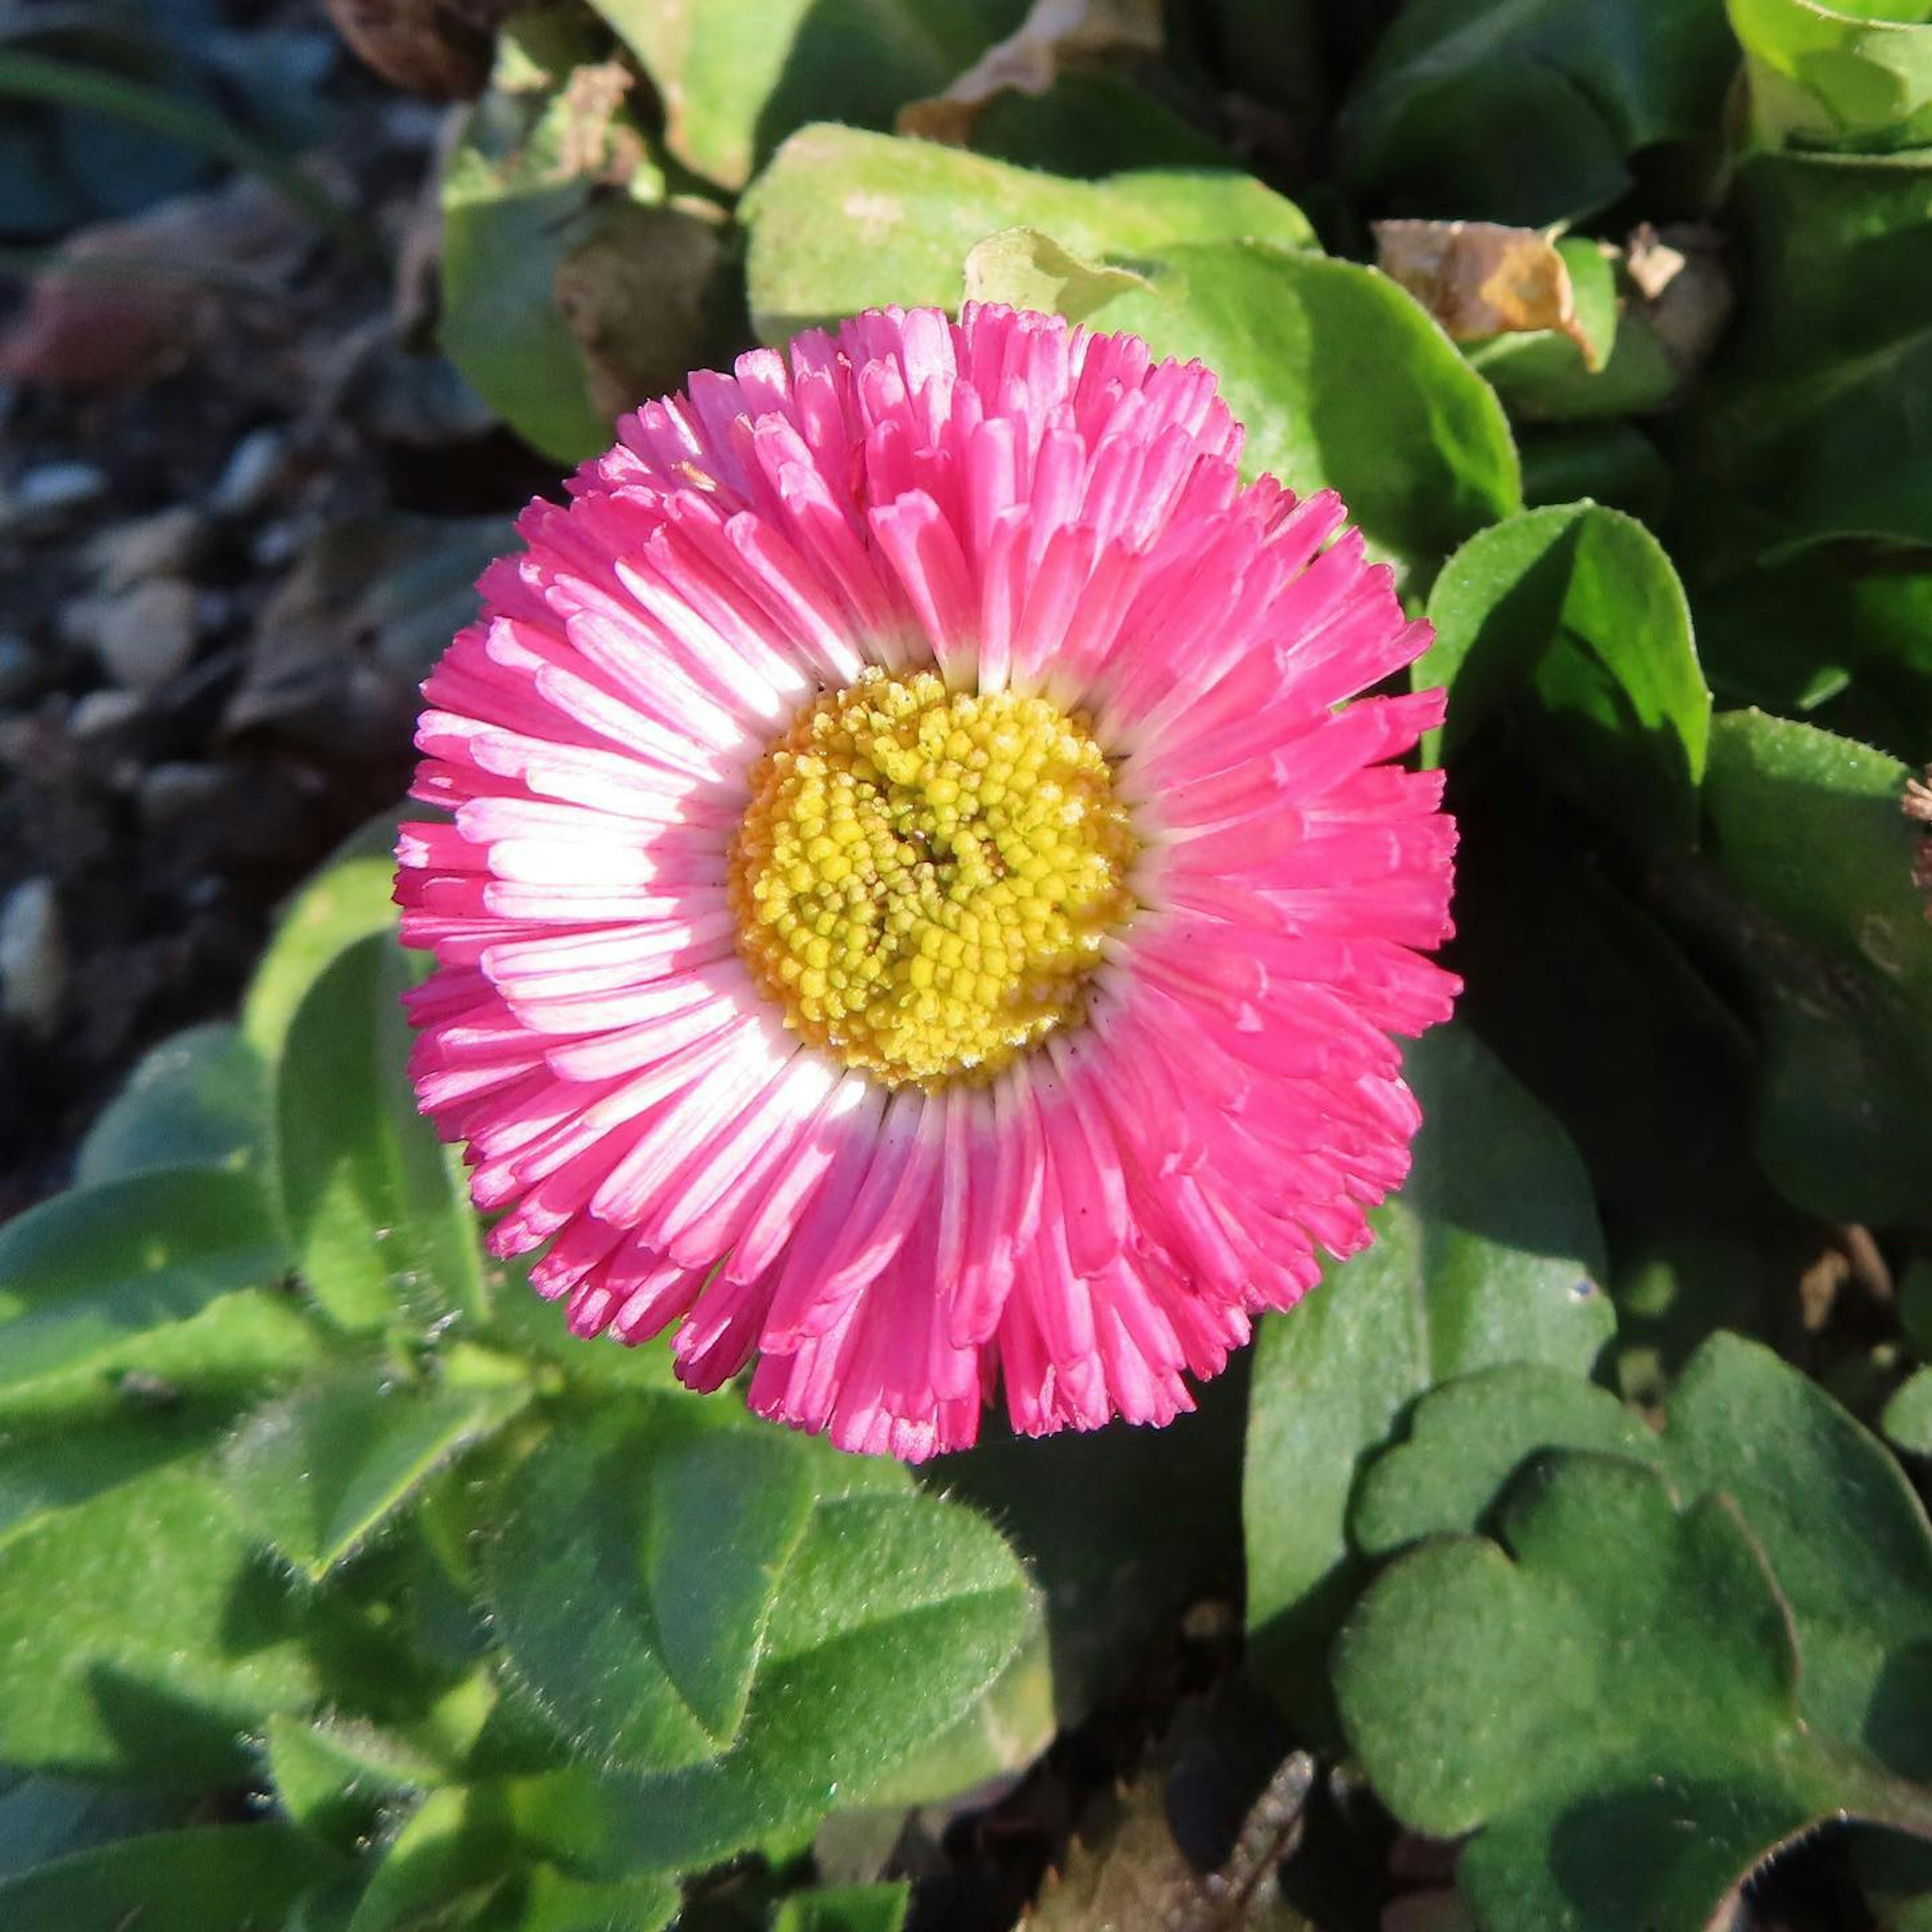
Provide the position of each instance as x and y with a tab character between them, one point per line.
1680	274
1480	279
1129	1875
1055	35
636	297
441	48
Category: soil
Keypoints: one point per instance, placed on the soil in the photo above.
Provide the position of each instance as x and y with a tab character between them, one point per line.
242	500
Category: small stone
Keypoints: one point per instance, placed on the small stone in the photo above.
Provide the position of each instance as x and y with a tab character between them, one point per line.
33	956
57	486
178	791
161	545
254	466
275	544
101	713
143	637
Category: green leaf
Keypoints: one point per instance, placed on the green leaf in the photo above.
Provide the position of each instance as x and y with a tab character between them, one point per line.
221	1878
1675	1285
1026	269
850	1908
1813	860
555	1902
1821	422
843	220
1846	1533
1303	345
146	1277
320	1472
893	1614
1576	613
1907	1420
1524	112
199	1100
46	1470
545	164
1469	1437
1857	76
1598	1009
139	1634
1611	463
683	1530
452	1854
381	1223
1490	1255
738	75
1122	1528
1089	124
334	1777
1611	1706
350	897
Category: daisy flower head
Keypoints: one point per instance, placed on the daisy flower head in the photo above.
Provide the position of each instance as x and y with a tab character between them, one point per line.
914	911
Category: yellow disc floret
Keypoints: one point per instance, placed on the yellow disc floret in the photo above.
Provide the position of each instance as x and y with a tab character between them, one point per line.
924	876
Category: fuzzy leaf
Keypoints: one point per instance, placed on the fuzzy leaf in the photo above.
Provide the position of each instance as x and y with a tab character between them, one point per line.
1491	1254
138	1632
1468	1438
150	1276
1857	77
1302	345
856	1637
333	1777
1846	1533
351	896
843	220
850	1908
221	1878
1526	113
381	1226
1610	1705
1813	860
199	1100
1576	612
738	75
319	1473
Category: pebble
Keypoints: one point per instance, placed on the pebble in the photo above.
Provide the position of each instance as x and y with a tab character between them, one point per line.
254	467
181	790
143	636
33	956
161	545
57	486
102	712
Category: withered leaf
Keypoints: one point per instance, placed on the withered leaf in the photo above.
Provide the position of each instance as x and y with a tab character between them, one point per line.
1055	35
1480	279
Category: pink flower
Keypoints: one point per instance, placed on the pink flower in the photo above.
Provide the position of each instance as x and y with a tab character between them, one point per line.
914	914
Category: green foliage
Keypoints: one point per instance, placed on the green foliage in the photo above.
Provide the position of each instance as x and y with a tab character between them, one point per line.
1298	341
1856	76
1574	615
219	1878
1491	1254
1529	113
302	1498
755	1625
1814	860
197	1100
738	75
374	1208
1665	1665
843	221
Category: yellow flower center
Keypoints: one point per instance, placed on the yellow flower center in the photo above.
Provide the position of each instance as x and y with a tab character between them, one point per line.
924	876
